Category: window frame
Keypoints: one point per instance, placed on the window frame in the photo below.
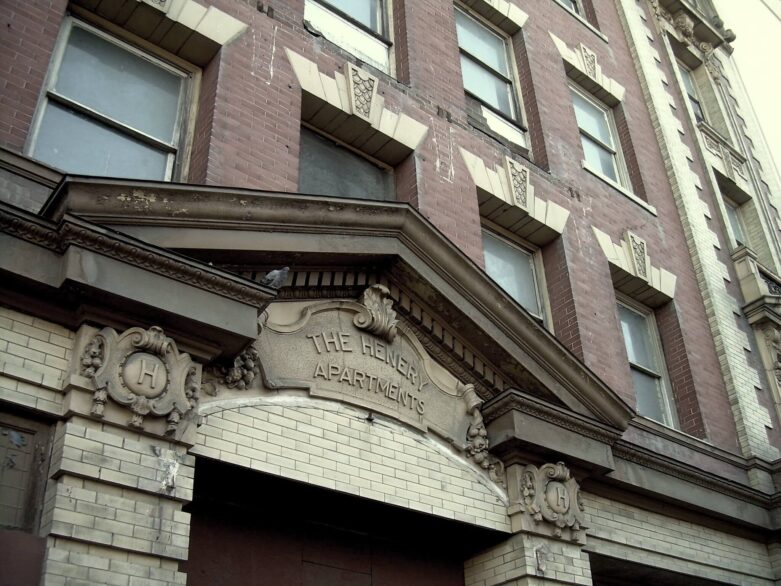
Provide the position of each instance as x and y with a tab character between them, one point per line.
574	6
667	400
351	149
179	150
518	118
731	204
491	230
616	150
687	73
385	36
384	25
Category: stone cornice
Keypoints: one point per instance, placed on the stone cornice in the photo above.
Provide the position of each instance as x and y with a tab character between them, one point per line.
623	450
516	401
446	268
72	231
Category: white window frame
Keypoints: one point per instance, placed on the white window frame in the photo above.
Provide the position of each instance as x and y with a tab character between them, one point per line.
178	150
374	47
493	231
692	93
667	402
731	204
517	118
616	149
574	6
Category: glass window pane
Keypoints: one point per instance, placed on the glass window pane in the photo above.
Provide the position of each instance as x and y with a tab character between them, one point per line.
572	5
492	90
592	119
649	395
688	82
329	169
482	43
637	338
367	12
734	222
119	84
513	270
78	144
599	159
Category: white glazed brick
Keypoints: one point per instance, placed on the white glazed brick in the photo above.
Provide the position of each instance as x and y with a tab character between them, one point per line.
628	532
40	350
97	564
751	417
515	562
333	445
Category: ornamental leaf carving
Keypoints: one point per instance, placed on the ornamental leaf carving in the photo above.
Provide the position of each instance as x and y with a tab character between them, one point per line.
519	183
639	252
379	318
363	86
477	436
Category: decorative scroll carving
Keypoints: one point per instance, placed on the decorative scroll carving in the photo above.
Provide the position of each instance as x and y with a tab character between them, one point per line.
477	436
143	370
549	495
639	251
363	87
379	318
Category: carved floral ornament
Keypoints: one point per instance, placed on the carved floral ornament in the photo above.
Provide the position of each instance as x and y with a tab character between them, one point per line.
143	370
549	496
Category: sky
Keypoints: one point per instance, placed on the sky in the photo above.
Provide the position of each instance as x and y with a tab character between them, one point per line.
757	24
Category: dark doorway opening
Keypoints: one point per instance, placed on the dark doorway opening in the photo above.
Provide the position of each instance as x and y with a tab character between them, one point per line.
250	528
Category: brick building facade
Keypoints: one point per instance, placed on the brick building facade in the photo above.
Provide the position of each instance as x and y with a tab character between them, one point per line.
527	331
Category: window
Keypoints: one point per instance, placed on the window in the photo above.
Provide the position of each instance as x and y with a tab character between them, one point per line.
646	363
691	91
513	269
599	138
110	109
24	454
486	66
735	222
327	168
571	5
357	26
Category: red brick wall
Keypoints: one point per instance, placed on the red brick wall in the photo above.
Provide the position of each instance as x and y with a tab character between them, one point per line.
247	135
29	32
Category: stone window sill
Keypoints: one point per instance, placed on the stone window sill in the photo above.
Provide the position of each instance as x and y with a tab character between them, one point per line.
620	188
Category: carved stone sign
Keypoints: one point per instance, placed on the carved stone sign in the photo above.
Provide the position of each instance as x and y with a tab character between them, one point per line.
358	353
143	370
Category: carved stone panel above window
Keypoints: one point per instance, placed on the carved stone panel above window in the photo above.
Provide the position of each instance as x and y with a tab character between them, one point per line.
348	107
506	197
632	271
583	68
